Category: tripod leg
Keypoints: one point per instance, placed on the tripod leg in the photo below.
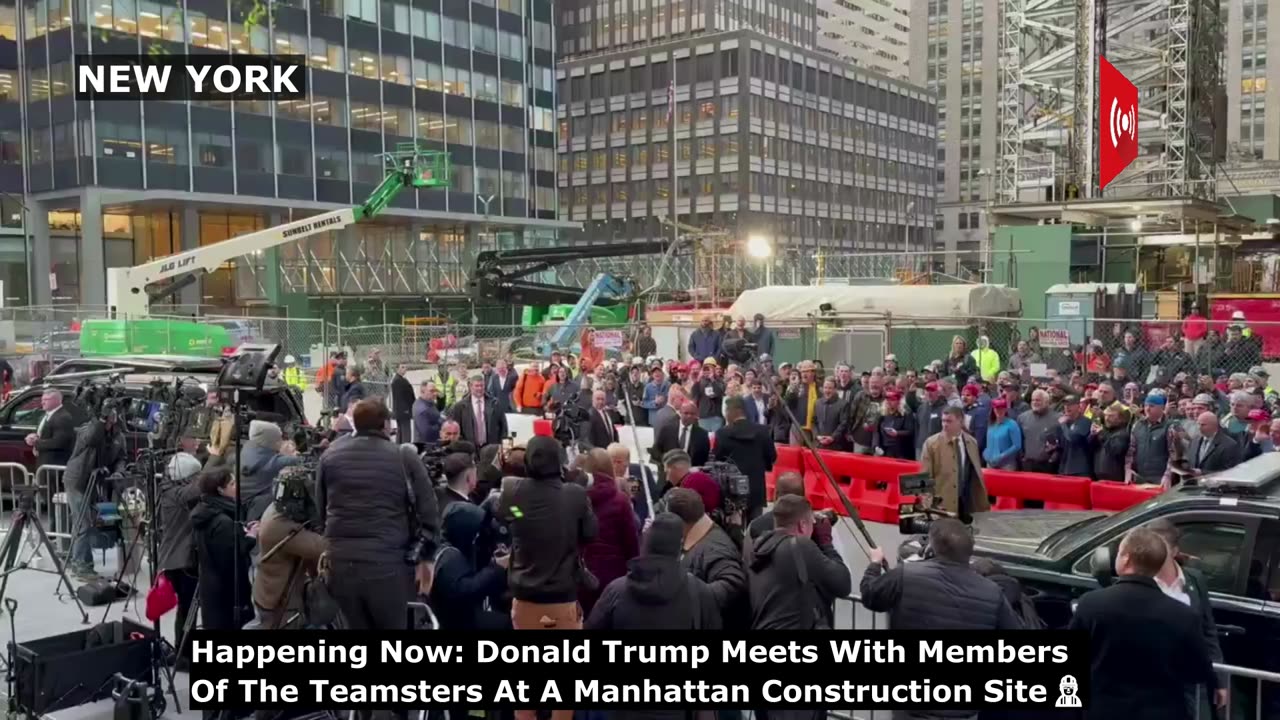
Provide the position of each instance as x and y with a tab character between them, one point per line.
62	570
191	619
12	545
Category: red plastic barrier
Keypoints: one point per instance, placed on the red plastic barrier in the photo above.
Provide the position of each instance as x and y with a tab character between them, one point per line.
871	484
1107	495
1058	492
789	460
542	427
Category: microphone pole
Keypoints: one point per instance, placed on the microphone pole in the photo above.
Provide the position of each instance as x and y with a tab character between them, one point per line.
635	437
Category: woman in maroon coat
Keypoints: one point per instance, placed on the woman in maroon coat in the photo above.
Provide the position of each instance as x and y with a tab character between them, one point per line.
618	541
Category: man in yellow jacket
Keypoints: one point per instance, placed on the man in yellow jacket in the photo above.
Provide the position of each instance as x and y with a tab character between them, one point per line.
293	375
986	359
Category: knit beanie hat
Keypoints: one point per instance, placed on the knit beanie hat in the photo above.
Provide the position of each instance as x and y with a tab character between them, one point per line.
664	536
264	434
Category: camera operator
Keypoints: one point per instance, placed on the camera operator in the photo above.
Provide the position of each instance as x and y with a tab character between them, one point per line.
379	514
748	446
461	479
222	546
550	521
98	450
710	555
795	573
290	551
951	458
939	592
177	494
261	460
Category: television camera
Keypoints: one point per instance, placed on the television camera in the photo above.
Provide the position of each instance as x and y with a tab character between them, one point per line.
569	416
916	517
735	488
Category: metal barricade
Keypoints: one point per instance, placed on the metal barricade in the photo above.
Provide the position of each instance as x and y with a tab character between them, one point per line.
1252	694
11	475
52	505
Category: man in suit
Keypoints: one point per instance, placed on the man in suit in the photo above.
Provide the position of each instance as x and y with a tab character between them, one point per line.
1134	624
479	419
831	418
669	413
55	436
598	430
1215	450
750	447
500	384
757	405
1188	586
684	435
951	458
402	404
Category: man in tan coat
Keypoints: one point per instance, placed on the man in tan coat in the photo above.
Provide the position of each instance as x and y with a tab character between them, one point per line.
942	459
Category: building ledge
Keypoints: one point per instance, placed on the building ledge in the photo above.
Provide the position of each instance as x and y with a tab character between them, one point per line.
1171	212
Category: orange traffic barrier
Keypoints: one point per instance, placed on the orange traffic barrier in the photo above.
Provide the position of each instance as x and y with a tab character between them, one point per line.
1108	495
789	460
1057	492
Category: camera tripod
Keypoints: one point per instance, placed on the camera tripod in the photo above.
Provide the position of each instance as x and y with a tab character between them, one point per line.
25	520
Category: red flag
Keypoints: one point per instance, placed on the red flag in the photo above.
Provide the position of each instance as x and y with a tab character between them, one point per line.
1117	122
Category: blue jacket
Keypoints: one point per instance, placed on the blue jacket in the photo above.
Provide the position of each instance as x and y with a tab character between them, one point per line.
1004	443
704	343
651	393
426	421
979	415
763	338
1077	455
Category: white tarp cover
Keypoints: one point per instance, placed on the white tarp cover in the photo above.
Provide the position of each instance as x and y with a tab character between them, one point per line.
781	303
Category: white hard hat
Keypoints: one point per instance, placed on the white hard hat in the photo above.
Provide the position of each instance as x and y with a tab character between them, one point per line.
290	360
1237	315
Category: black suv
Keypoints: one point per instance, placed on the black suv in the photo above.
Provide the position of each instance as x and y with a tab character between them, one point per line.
22	414
1230	527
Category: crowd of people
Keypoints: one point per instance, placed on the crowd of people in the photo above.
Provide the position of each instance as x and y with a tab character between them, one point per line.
422	493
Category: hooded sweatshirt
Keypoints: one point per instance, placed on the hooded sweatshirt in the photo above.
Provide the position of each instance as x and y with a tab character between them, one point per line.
793	582
463	580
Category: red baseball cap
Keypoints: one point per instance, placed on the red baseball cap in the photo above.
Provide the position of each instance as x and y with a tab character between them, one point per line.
1259	414
694	364
1000	403
893	396
972	389
931	387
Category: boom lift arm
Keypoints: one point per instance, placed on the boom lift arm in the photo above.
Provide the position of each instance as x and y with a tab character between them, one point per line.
500	274
127	288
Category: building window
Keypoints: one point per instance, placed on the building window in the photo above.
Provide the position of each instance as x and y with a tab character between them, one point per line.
331	164
457	81
212	149
294	160
252	156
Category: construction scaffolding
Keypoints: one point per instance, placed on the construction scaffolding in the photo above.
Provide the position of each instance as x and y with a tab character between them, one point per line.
1048	58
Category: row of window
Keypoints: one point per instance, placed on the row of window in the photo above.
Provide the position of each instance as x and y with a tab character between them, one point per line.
169	22
638	156
792	231
637	120
796	190
169	146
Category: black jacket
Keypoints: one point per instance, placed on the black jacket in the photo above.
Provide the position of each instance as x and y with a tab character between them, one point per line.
500	390
57	437
1133	624
446	496
353	391
793	583
709	405
1074	446
177	498
462	579
655	594
219	538
598	431
668	438
1110	452
831	417
902	445
95	448
495	421
1223	453
363	497
550	522
402	397
751	448
936	594
716	561
928	422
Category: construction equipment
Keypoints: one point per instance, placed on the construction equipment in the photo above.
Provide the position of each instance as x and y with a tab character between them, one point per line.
128	292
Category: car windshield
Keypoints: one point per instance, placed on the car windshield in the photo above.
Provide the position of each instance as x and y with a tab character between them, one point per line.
1063	541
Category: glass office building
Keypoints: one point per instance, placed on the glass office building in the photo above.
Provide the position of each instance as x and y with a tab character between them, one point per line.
117	183
745	134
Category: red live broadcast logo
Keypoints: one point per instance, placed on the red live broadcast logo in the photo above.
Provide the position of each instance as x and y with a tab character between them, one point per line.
1117	122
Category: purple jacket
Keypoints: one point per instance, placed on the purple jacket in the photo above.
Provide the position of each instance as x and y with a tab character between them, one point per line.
618	541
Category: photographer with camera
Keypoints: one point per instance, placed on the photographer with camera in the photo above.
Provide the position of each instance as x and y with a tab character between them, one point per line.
222	552
290	552
465	578
795	573
748	446
261	460
951	458
380	518
98	453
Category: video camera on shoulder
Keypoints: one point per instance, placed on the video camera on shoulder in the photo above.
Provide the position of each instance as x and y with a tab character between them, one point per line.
916	517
